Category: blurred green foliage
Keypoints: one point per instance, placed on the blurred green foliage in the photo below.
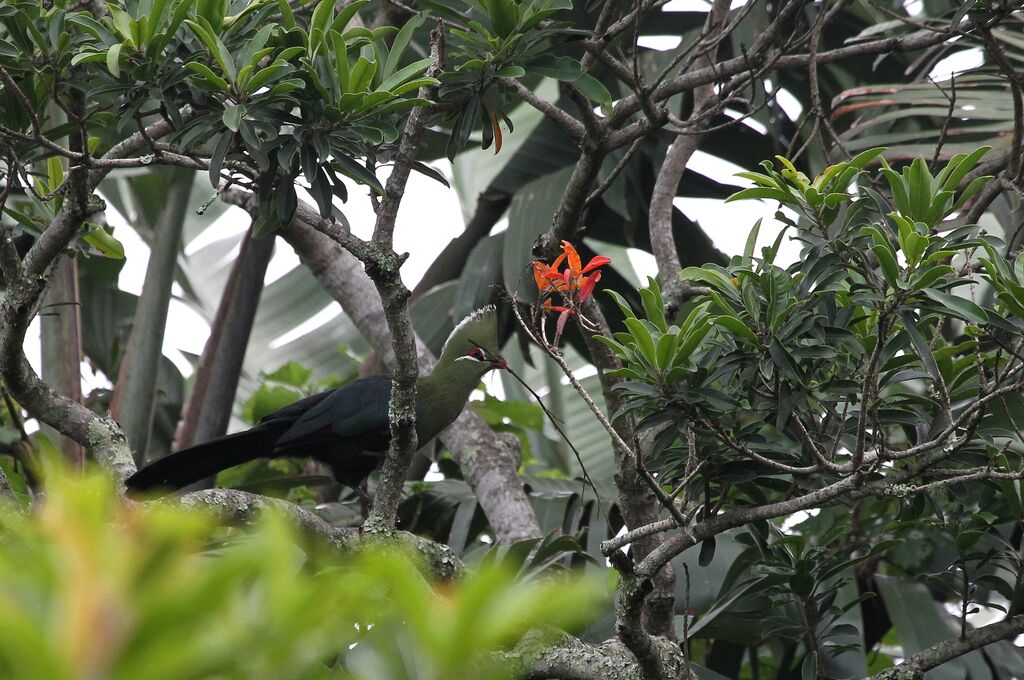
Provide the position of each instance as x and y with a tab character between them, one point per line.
91	587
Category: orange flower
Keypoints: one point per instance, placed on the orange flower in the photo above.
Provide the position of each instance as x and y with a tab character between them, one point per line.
571	282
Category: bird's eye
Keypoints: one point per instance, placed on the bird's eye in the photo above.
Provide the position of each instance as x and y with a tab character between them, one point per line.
476	353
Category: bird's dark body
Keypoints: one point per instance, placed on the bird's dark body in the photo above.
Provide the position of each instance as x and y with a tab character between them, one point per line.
346	428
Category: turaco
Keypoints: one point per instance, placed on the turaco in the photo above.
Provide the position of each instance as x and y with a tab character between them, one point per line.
346	428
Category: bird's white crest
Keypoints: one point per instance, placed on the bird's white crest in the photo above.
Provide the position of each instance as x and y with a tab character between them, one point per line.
475	316
479	329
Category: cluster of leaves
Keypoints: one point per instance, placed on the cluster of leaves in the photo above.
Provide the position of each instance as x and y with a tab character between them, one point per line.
283	96
803	582
273	93
503	39
893	322
768	342
94	588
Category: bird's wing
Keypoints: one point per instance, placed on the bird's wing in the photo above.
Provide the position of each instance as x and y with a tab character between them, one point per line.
292	412
351	411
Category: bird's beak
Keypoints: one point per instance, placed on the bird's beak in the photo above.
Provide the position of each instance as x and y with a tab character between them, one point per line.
498	361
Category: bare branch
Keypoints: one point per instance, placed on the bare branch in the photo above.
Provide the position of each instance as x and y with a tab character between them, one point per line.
573	127
383	269
663	243
936	655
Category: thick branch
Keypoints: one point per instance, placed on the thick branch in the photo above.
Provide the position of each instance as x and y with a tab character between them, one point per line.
573	127
208	409
569	216
60	330
242	507
101	436
938	654
547	655
135	393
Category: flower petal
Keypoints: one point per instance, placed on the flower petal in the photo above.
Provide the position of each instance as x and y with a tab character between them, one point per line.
574	257
595	262
587	285
558	261
539	276
560	326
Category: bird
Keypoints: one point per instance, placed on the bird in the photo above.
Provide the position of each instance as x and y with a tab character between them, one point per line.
346	428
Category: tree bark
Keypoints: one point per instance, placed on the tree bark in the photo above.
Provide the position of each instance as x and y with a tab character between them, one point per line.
208	410
135	393
60	334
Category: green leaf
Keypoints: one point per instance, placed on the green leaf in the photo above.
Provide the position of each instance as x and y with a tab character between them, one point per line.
592	88
693	337
217	157
898	189
217	49
113	60
644	342
627	311
287	16
887	261
734	324
204	71
265	76
398	46
924	351
920	181
707	551
784	361
361	75
958	167
558	67
709	275
268	399
763	192
292	373
404	74
974	187
510	72
751	244
502	14
323	15
961	307
653	307
108	246
232	116
355	170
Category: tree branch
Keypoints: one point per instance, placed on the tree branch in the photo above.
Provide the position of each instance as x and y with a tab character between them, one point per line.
241	507
383	268
573	127
936	655
553	655
663	243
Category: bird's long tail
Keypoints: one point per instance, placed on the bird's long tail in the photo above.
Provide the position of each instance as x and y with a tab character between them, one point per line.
188	466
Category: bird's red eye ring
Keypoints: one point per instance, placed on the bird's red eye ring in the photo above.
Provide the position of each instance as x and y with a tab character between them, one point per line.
476	353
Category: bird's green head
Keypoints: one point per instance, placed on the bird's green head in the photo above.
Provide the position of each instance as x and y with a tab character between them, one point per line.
475	342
